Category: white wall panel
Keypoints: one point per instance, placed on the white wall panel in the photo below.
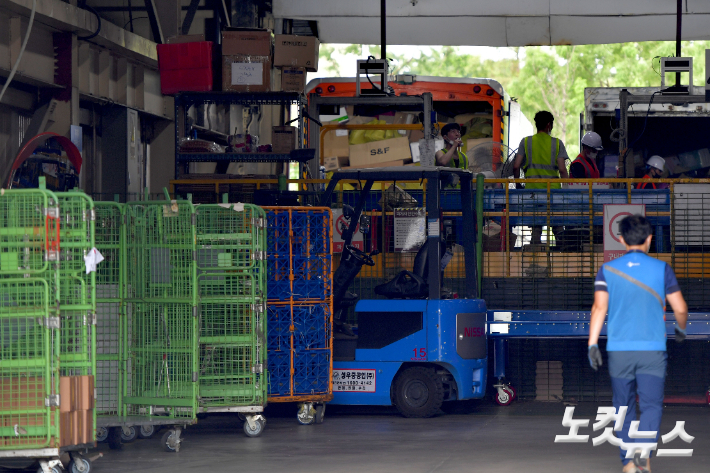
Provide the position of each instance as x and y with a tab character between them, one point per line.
507	23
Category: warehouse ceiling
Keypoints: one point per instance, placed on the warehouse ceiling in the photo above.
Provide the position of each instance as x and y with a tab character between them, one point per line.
502	23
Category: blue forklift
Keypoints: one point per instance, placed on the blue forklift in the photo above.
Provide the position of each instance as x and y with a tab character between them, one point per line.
418	347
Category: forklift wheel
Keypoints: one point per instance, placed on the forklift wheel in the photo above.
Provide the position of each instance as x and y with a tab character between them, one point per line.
418	392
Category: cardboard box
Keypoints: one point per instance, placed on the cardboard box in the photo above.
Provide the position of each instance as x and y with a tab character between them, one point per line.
335	143
335	162
86	426
186	38
67	428
246	60
86	393
283	139
296	51
367	154
416	135
293	79
246	73
398	118
247	42
66	391
386	164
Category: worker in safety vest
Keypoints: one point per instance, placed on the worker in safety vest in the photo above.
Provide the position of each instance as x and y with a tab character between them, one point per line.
541	157
452	156
654	170
585	166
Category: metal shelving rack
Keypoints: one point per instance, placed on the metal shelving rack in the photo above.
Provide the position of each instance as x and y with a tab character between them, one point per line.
185	100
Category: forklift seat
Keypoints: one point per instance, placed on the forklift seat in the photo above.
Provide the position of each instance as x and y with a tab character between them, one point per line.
410	284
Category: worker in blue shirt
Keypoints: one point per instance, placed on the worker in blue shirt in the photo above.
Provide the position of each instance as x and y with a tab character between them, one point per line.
634	289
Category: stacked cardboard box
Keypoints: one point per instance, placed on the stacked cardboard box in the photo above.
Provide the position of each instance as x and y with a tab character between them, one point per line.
76	410
548	381
293	79
341	150
295	55
296	51
380	153
246	60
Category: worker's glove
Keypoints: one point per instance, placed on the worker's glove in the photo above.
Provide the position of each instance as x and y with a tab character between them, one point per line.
680	334
595	357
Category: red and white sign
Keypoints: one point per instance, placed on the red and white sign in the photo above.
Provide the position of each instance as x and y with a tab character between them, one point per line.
613	215
339	224
358	381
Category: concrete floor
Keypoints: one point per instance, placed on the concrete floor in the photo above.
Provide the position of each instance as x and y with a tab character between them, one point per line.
472	436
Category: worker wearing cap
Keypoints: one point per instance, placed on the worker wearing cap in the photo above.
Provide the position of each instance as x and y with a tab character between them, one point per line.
654	170
541	157
585	166
634	289
452	156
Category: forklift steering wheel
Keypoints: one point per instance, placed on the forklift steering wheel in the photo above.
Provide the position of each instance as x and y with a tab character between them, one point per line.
360	255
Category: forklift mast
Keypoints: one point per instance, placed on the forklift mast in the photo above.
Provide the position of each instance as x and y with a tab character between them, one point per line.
437	178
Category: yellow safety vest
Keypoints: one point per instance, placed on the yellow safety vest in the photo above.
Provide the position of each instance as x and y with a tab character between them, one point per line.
544	150
463	160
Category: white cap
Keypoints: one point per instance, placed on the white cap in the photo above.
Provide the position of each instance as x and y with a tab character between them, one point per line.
656	162
593	140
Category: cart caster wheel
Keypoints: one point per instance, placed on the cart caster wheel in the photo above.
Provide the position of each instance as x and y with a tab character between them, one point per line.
114	438
320	413
128	434
171	441
512	391
504	397
146	431
257	429
101	434
306	414
84	467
